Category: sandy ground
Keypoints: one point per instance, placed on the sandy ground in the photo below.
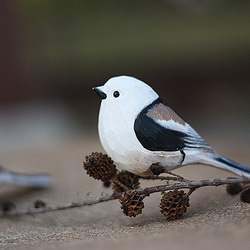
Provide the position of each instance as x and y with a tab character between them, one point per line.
214	220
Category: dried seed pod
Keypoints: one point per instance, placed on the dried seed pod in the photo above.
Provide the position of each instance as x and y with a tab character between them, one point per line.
131	203
100	166
8	206
107	184
174	204
39	204
234	188
245	195
131	181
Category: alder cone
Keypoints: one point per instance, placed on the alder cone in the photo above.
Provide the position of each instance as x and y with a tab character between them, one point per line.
234	188
129	180
131	203
245	195
39	204
100	166
8	206
174	204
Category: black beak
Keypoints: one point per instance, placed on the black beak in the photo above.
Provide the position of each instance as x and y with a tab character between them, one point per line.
100	93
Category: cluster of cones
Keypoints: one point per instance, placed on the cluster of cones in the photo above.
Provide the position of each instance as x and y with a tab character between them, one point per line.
101	167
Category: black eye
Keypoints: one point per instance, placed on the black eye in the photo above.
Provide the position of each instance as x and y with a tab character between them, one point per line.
116	94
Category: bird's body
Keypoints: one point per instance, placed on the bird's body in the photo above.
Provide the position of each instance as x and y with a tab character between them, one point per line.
137	129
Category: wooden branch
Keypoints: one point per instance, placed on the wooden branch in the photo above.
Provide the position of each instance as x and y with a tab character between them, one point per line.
142	191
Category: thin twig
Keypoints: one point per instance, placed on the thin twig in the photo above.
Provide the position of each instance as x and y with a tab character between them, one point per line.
180	178
119	183
162	178
195	184
142	191
61	207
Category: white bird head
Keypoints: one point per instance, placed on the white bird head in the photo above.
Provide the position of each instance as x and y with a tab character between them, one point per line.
125	94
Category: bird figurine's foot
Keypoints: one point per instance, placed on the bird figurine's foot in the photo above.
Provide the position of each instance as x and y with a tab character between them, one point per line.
158	169
176	175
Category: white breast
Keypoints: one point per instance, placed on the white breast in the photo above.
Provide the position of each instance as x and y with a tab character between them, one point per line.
119	141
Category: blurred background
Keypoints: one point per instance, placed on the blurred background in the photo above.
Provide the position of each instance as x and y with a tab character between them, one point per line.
195	53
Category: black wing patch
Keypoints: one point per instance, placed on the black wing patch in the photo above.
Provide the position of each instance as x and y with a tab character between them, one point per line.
155	137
